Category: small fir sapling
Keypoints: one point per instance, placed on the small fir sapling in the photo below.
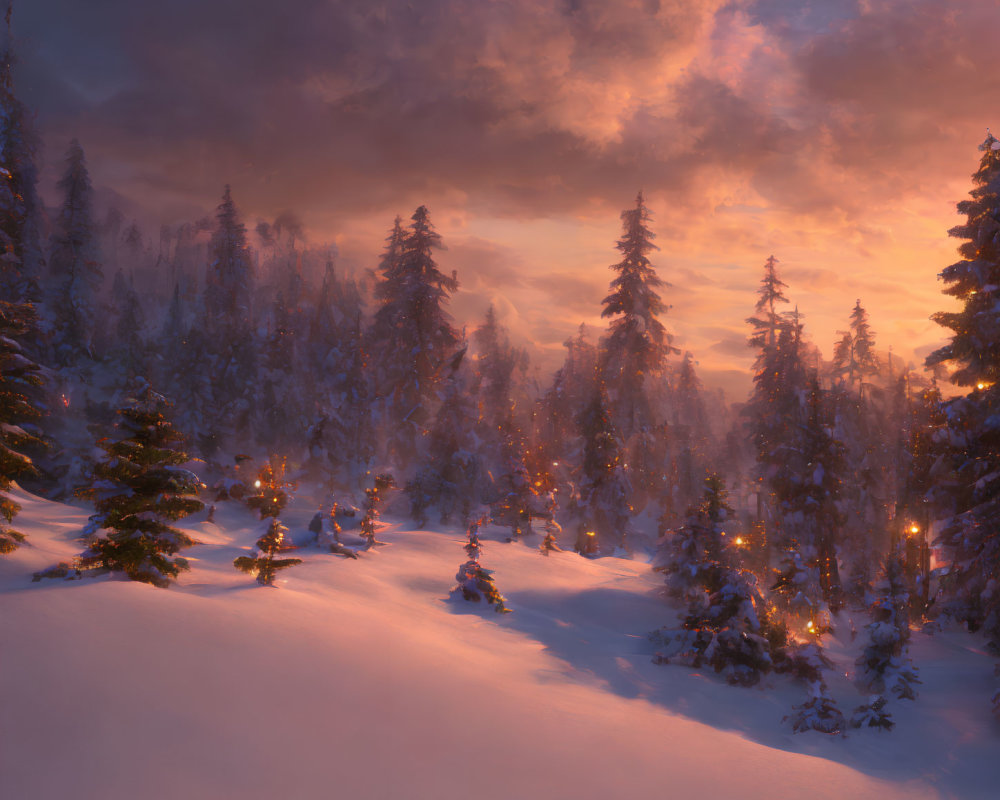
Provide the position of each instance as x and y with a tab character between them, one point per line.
884	661
873	715
818	713
552	528
265	566
806	662
136	489
18	378
373	498
476	583
269	500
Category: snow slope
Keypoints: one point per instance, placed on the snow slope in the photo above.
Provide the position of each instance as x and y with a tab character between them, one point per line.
362	679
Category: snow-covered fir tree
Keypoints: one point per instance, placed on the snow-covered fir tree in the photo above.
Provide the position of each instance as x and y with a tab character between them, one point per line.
604	487
883	664
637	343
374	497
137	490
727	625
269	498
412	335
19	411
22	259
75	273
514	499
228	304
971	535
854	356
699	546
450	477
475	582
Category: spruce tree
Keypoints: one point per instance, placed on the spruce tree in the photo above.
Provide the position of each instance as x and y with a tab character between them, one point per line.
19	380
228	301
697	547
137	490
604	489
767	322
412	335
727	625
449	479
21	257
971	535
637	343
516	500
75	271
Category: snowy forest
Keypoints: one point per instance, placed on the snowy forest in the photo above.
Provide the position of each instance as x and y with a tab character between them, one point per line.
155	375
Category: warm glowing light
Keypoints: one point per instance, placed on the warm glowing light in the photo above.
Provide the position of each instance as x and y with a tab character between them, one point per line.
981	385
256	484
914	528
809	625
591	533
555	463
739	540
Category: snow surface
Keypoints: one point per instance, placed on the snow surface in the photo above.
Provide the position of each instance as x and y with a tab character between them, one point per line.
362	679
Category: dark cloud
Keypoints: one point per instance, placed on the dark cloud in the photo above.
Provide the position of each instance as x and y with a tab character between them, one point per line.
812	129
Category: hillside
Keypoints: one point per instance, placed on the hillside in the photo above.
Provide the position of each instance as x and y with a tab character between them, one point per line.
363	679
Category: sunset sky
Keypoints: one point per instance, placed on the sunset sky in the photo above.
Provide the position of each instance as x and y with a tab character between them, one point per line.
836	135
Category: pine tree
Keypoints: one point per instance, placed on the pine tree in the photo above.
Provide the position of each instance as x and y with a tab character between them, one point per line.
18	410
972	534
768	322
450	477
412	335
806	486
269	499
727	626
137	489
637	343
604	489
21	257
516	500
864	361
75	271
699	547
230	333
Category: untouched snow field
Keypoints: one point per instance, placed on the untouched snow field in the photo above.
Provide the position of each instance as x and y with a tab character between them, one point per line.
362	679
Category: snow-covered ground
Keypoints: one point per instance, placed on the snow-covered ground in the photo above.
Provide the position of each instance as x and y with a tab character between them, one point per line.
362	679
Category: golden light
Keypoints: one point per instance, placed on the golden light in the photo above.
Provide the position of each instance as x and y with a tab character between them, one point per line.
739	540
914	528
256	484
591	533
981	385
809	625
